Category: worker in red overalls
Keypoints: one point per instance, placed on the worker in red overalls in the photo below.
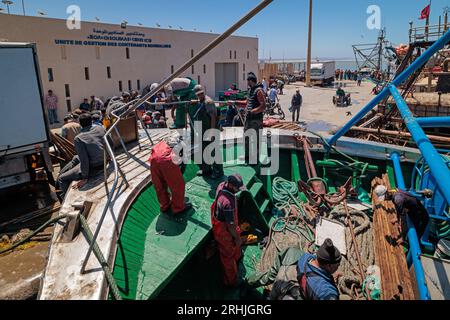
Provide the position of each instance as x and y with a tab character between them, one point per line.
225	222
166	174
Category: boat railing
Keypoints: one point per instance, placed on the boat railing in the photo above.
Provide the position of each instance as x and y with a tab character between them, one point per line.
437	166
428	33
129	108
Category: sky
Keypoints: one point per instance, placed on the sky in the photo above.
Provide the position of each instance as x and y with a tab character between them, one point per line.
282	28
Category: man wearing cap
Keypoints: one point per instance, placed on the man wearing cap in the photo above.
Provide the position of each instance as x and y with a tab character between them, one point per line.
159	121
406	205
148	89
205	114
70	129
167	175
96	103
256	104
226	231
296	275
126	96
97	118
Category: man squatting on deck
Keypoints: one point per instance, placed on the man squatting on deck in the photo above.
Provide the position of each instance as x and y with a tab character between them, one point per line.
89	160
296	275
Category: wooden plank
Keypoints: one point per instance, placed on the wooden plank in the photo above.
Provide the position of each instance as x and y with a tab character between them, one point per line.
395	279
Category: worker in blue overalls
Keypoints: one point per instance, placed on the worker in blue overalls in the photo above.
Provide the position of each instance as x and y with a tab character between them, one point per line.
296	275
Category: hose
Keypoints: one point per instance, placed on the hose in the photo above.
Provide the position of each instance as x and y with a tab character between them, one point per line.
283	189
285	195
31	235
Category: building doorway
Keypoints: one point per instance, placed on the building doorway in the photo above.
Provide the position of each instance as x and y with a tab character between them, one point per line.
226	75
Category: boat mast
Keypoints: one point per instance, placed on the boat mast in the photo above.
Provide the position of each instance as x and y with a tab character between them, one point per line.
380	49
308	59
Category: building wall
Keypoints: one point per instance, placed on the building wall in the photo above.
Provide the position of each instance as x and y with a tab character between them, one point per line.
68	60
268	70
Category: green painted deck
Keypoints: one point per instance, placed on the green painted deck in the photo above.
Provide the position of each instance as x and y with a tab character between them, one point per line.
160	257
201	279
153	248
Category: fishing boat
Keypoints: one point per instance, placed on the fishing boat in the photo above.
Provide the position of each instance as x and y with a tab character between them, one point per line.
112	242
155	256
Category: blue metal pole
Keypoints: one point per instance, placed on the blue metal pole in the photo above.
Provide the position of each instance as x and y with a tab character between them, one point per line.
438	45
434	122
434	160
415	251
395	157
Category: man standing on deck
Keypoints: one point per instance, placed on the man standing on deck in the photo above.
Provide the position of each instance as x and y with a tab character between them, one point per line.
167	175
226	231
296	275
205	113
90	156
256	104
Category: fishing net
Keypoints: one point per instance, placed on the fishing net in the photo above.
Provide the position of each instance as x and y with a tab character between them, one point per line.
292	231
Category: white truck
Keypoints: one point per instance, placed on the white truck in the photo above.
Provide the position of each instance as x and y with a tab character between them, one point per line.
323	73
24	133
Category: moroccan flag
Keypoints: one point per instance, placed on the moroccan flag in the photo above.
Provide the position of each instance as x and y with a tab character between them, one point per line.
425	12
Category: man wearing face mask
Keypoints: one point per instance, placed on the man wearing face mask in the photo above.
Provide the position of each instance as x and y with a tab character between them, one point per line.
226	231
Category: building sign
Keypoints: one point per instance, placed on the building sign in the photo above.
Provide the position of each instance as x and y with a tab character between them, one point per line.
105	38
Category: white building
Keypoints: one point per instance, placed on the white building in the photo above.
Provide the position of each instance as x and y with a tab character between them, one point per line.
106	59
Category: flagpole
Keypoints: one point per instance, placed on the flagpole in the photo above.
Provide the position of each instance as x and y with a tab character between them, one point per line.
308	56
427	27
445	18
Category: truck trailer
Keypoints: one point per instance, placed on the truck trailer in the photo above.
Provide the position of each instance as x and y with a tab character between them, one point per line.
24	131
323	73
